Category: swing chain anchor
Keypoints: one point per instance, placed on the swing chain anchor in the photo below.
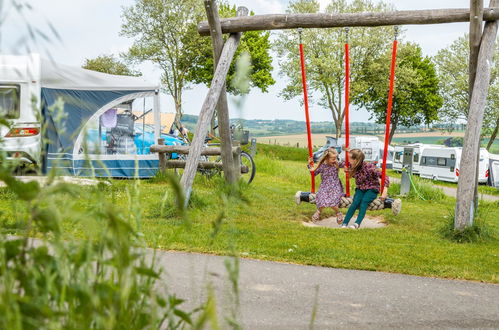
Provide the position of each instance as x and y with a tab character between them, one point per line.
396	32
300	30
347	29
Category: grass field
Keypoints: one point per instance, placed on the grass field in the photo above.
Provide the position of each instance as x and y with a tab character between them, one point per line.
262	221
319	140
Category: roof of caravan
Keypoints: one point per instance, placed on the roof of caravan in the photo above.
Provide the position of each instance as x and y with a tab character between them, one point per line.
60	76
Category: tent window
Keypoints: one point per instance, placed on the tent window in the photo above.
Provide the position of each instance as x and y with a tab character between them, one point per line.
9	101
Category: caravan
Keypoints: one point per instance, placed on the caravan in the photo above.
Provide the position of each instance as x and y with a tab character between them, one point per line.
371	146
93	123
494	171
442	163
417	149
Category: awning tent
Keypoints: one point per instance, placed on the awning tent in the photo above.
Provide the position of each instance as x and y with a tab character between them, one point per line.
70	97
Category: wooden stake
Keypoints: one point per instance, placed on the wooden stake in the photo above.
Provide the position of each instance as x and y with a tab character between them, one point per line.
465	188
476	20
206	113
321	20
222	108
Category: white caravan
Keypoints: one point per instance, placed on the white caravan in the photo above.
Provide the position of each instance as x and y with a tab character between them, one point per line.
442	163
19	88
86	115
418	148
494	171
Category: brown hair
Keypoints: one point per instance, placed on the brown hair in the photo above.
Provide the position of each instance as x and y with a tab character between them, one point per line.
358	156
328	153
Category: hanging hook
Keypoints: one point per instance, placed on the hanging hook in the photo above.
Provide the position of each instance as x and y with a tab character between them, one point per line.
347	29
300	30
396	32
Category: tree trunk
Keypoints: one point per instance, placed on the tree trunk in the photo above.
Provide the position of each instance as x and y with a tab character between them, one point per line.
494	135
392	130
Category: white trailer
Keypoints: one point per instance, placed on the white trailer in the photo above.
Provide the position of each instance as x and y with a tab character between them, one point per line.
416	156
493	170
20	104
442	163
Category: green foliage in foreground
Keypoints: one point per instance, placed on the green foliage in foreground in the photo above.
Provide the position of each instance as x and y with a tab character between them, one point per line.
104	282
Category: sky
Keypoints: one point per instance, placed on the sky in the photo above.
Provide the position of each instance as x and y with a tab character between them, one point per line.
89	28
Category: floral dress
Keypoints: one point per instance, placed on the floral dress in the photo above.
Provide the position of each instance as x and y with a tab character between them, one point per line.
331	189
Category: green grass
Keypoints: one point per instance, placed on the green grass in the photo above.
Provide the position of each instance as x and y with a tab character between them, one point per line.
266	224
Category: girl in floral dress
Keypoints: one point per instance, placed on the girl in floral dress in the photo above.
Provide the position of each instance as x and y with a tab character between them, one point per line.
331	189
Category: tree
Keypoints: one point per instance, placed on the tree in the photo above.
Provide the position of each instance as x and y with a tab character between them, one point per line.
324	55
165	32
416	99
109	64
254	43
452	68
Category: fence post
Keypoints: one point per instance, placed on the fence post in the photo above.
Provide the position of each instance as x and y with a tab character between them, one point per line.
162	156
253	147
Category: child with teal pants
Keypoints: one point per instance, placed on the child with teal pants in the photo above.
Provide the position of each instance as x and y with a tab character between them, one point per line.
368	182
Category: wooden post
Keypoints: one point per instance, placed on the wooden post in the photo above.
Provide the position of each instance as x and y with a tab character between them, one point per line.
222	107
476	20
465	188
162	157
206	113
237	161
322	20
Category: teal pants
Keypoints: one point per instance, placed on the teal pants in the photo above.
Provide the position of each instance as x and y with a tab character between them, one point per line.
361	201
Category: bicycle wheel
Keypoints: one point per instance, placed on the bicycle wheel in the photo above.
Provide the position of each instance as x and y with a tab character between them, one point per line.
247	160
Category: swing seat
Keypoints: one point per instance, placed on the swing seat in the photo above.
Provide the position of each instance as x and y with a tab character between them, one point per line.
376	205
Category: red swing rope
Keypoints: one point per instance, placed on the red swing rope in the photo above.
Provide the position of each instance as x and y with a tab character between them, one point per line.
389	110
305	100
347	106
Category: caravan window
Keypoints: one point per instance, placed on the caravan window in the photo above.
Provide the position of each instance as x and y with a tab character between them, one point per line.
441	161
9	101
416	158
397	155
423	160
368	152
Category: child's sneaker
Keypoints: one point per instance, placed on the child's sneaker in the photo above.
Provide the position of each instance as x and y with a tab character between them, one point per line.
297	198
339	218
396	206
344	226
316	216
354	226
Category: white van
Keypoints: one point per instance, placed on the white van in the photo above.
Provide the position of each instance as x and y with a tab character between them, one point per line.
19	104
442	163
418	148
494	171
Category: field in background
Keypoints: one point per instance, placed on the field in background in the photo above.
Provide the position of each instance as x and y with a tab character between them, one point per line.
318	140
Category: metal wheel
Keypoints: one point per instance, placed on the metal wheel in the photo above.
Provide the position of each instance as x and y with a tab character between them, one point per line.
247	160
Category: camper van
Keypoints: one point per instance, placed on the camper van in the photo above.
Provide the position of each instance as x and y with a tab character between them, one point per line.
371	146
494	171
442	163
94	123
398	159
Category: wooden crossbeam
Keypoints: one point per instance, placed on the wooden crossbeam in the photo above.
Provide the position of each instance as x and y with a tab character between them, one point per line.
184	150
321	20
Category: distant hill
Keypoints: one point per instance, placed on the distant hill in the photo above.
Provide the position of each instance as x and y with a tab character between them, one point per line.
261	127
